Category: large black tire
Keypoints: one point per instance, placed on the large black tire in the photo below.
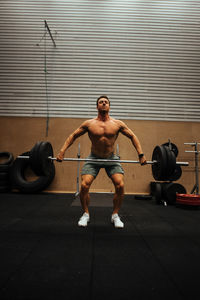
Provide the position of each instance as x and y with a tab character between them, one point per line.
5	186
5	165
8	157
19	181
7	162
4	176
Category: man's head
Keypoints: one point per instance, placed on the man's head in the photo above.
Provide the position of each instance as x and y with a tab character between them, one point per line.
103	105
101	98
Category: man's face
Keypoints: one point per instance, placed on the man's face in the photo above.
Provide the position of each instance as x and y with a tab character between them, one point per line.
103	105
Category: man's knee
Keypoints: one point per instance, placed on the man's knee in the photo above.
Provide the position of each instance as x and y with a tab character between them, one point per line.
119	186
86	183
85	186
118	183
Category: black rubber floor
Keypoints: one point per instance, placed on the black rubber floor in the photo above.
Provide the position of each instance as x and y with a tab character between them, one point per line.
45	255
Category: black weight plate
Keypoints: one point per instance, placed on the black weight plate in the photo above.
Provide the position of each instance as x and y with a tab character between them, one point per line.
152	187
158	192
174	148
170	190
34	159
171	163
177	174
159	168
45	150
169	166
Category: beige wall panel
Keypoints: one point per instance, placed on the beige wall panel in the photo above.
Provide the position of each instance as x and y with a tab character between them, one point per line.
19	134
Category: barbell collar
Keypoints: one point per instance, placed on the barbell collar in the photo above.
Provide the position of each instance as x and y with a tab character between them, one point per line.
181	163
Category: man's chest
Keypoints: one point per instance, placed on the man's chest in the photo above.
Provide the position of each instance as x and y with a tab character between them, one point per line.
107	129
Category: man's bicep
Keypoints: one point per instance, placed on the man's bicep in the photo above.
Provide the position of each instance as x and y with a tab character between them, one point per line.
80	131
125	130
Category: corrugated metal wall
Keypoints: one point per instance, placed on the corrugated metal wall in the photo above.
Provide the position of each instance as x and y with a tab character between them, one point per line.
145	55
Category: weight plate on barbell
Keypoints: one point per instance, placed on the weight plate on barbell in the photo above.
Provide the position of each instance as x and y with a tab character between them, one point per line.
171	163
174	148
39	161
45	150
159	168
176	174
34	159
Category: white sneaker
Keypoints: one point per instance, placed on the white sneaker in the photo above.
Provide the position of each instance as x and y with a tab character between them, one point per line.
84	220
117	222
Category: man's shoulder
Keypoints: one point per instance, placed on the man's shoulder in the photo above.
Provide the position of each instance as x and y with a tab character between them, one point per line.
118	122
88	122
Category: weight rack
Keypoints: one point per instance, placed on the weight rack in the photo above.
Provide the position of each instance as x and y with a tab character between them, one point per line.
196	151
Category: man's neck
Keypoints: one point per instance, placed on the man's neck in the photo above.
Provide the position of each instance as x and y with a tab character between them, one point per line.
103	116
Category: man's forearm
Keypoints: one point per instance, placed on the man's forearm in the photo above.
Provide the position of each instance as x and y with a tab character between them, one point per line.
137	145
69	141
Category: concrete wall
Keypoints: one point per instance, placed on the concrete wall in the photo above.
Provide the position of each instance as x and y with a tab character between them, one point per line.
19	134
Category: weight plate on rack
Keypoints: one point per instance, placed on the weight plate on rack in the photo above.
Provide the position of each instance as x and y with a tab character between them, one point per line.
158	192
188	199
170	190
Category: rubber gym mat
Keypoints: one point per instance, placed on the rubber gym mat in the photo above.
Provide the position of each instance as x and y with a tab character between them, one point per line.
45	255
97	200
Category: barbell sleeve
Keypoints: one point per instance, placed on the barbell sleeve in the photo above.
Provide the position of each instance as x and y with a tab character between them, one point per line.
182	163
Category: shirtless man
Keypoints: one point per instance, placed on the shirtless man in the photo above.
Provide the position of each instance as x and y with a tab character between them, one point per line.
103	132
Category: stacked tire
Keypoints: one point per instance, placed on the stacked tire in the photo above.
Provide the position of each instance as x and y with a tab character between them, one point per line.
42	180
6	161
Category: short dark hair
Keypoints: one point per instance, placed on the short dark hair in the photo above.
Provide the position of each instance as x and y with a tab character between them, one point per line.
103	96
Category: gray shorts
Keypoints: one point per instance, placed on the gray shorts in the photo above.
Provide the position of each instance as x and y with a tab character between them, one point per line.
93	168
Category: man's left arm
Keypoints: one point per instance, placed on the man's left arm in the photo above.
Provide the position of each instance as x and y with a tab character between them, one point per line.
135	141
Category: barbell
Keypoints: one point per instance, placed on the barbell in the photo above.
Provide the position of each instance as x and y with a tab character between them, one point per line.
163	161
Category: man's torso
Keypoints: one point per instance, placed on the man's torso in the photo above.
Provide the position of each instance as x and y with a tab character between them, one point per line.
103	135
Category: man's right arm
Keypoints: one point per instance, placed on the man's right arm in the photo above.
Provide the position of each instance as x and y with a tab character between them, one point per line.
71	138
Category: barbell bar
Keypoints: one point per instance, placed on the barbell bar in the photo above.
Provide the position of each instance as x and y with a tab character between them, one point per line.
149	162
93	160
163	161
